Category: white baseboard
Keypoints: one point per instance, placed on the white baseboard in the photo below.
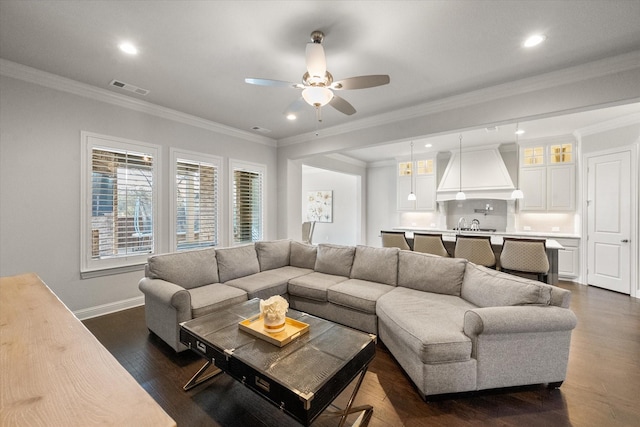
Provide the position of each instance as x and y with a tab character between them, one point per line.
101	310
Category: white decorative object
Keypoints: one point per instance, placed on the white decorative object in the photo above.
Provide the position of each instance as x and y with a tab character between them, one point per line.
274	311
320	206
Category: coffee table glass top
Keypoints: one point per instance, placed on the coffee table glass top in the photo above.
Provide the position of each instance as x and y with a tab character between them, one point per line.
303	365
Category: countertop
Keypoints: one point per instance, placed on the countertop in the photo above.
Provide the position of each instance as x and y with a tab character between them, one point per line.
524	234
496	236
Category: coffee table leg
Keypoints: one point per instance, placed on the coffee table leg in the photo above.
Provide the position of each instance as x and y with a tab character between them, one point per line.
367	410
197	380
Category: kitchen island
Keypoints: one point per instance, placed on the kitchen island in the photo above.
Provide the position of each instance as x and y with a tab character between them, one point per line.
497	239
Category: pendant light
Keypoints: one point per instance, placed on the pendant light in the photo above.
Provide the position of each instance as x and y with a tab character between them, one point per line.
412	195
517	193
460	195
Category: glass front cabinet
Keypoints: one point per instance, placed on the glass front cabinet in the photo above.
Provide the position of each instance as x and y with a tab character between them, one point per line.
418	177
548	176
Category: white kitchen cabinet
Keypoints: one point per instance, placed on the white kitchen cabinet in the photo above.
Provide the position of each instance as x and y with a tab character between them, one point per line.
548	180
533	183
561	188
420	177
569	259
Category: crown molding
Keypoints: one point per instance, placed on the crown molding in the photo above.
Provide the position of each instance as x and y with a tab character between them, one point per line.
548	80
618	122
54	81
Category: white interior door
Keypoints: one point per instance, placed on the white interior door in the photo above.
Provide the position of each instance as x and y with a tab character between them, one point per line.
609	221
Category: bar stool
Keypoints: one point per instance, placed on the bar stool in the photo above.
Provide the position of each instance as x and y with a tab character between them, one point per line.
476	249
525	256
395	239
429	244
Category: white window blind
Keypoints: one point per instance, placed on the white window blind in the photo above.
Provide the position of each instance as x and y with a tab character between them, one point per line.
118	220
247	201
196	193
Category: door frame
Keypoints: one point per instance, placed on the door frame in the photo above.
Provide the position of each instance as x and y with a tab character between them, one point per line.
635	213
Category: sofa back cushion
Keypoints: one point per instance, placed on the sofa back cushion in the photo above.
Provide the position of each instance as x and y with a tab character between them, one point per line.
273	254
376	265
237	261
334	259
187	269
489	288
303	255
430	273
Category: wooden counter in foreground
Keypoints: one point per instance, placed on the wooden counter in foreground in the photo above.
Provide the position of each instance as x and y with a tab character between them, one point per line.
54	372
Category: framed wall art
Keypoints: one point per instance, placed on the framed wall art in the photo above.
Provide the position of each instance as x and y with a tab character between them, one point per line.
320	206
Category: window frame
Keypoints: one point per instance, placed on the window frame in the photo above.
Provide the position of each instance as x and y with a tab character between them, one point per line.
249	167
90	267
196	157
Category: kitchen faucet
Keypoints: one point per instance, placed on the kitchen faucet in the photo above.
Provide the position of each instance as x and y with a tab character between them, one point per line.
462	223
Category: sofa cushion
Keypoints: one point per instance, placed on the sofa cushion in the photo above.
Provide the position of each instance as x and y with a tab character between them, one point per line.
237	261
188	269
303	255
267	283
210	298
489	288
313	286
376	265
273	254
357	294
429	325
334	259
430	273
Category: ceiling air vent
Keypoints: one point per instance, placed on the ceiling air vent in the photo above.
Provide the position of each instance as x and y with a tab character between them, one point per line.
259	129
129	87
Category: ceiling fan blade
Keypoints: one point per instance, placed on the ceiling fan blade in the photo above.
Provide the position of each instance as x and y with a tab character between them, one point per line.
272	83
295	106
316	61
361	82
341	105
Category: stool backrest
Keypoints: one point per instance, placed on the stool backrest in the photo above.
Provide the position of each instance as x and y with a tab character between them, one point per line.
475	249
395	239
526	255
429	244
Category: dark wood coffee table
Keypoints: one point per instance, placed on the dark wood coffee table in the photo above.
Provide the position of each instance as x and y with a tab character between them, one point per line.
302	378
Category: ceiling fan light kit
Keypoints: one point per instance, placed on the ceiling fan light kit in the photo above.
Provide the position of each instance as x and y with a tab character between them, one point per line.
317	83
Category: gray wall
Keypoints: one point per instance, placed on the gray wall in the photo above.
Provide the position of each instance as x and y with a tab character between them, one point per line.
344	229
40	184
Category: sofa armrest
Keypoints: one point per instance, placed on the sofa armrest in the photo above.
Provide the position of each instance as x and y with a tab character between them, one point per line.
168	293
518	319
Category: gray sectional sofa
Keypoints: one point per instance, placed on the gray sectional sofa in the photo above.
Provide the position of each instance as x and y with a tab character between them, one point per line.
453	326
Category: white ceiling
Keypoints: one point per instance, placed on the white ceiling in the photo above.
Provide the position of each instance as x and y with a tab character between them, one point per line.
194	55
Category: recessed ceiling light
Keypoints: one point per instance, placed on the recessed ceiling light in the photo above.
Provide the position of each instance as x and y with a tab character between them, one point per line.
291	117
519	132
128	48
534	40
428	145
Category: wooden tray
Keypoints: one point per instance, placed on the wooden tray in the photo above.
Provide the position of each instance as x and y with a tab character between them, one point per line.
292	330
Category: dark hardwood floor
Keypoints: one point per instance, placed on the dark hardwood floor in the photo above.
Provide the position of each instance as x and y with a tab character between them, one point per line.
602	387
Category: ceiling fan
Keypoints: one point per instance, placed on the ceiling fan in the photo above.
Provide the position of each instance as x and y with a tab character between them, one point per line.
318	85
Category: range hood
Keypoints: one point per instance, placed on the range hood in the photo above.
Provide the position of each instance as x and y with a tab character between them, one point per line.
484	175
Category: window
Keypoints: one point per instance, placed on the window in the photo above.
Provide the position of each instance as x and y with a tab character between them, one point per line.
195	200
120	202
247	202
